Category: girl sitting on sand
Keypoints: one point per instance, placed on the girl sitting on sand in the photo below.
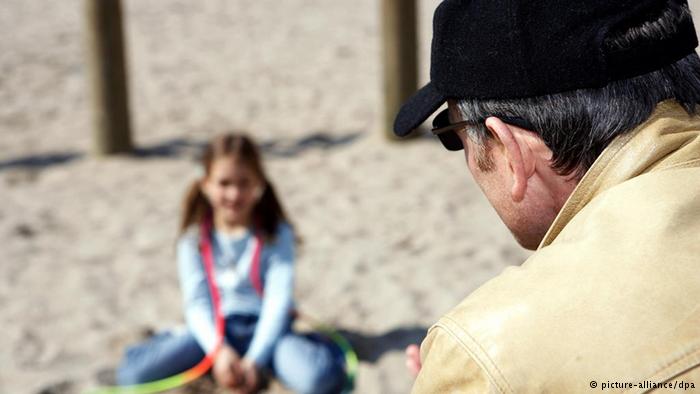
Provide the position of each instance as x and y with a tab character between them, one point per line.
239	201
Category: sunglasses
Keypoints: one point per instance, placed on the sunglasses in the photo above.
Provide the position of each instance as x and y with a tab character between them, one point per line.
447	132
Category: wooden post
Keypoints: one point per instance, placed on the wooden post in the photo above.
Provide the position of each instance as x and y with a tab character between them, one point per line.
695	11
107	76
399	57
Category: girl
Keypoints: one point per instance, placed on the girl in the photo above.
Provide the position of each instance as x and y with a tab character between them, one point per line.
248	224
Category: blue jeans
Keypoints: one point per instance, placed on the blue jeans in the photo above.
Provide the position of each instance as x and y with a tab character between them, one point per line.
303	363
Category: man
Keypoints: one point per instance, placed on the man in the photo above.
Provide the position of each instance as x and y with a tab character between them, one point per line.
578	121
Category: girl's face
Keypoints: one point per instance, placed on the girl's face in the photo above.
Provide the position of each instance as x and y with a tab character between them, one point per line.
233	189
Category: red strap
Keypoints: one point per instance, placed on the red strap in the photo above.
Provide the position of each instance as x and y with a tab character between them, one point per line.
255	277
208	258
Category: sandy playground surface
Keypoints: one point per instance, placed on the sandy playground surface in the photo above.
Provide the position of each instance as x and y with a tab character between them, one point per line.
395	233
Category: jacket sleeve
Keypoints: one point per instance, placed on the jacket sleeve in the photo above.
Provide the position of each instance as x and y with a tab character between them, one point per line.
278	298
448	368
195	292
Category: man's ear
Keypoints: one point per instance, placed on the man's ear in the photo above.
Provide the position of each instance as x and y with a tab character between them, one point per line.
518	154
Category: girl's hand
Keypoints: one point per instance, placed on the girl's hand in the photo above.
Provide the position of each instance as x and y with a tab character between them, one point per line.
251	377
227	368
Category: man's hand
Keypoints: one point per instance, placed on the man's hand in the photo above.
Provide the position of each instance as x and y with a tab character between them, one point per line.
413	360
227	368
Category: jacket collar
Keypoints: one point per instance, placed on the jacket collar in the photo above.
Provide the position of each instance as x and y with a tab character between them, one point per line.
669	138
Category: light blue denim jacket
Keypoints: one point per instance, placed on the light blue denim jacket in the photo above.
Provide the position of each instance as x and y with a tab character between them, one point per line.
232	265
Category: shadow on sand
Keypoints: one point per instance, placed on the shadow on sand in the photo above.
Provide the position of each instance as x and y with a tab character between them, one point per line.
39	162
370	348
192	148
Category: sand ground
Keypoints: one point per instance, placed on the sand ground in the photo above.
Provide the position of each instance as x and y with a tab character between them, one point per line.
395	233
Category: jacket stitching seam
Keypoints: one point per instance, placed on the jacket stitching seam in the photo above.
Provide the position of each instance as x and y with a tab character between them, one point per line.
614	153
472	354
613	158
604	160
607	158
680	359
680	165
501	376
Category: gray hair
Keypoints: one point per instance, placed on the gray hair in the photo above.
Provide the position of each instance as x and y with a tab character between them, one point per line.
577	125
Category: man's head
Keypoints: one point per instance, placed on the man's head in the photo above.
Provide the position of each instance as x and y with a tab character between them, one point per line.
512	166
577	75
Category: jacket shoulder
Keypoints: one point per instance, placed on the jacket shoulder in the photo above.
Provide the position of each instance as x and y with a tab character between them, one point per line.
449	367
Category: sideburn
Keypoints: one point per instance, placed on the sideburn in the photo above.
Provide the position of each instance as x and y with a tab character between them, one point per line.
482	157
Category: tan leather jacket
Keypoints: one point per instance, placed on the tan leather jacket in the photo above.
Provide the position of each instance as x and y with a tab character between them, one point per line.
611	296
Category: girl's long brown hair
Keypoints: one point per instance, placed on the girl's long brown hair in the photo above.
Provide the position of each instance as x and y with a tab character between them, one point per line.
267	213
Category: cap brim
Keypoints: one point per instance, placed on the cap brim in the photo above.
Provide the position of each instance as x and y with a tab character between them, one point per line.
417	109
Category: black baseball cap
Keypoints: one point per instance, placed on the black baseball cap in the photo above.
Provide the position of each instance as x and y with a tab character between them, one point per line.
504	49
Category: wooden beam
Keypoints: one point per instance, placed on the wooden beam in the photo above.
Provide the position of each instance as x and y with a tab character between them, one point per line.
107	76
399	57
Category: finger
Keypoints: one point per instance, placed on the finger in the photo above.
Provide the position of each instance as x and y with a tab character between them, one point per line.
251	380
413	368
413	363
238	368
235	377
410	365
412	350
